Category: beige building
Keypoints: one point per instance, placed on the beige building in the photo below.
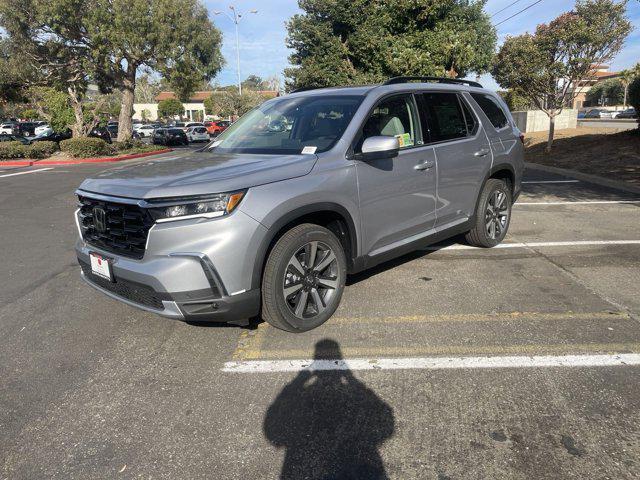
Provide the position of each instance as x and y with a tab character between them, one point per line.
193	109
601	73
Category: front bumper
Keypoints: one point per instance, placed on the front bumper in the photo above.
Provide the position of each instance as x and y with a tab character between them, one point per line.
193	270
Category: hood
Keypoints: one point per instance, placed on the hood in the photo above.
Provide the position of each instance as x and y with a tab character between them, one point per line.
199	173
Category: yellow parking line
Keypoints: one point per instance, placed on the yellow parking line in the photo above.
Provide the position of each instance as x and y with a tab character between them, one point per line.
489	317
249	342
460	350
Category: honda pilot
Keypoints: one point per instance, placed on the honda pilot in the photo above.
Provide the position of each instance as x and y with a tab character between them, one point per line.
270	218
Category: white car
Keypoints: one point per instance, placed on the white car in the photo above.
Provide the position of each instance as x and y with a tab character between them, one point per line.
41	130
9	128
146	130
197	134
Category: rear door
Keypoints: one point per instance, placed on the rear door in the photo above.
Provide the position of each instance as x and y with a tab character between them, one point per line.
462	152
496	125
397	195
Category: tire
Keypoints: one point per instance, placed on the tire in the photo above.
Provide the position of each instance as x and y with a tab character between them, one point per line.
491	223
285	286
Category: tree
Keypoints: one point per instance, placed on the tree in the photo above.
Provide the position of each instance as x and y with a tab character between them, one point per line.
253	82
146	89
548	66
170	108
54	106
50	38
13	74
626	77
515	101
343	42
173	37
607	92
231	103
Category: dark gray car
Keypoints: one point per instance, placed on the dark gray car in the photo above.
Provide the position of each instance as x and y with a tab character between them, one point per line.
271	217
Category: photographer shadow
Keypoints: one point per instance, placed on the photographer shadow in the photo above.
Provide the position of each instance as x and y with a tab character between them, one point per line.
329	422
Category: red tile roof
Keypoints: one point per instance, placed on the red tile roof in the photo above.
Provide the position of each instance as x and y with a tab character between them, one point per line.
201	96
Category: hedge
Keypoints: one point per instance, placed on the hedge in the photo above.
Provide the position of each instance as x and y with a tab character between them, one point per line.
10	150
85	147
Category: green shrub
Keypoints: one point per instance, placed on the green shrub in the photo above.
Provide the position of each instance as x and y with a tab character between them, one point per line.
41	149
135	146
84	147
9	150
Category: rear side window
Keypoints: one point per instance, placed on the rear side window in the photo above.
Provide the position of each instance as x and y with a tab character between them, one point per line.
443	117
491	109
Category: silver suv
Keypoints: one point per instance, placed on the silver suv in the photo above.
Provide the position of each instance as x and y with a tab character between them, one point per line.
271	217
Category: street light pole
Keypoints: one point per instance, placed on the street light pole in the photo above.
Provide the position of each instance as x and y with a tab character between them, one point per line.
235	19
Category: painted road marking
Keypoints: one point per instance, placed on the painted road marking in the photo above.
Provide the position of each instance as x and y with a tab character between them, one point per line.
588	202
451	350
553	181
28	171
489	317
434	363
580	243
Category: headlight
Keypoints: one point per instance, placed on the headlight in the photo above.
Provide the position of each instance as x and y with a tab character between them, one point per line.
205	207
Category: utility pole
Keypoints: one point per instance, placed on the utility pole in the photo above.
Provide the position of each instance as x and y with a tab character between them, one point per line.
235	17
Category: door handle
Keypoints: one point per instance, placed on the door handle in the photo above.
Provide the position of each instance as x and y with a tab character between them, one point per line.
482	153
424	166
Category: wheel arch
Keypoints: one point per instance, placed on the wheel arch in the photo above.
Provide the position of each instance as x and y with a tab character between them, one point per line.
331	215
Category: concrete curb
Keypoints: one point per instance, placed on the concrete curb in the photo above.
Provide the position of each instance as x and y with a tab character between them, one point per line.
76	161
585	177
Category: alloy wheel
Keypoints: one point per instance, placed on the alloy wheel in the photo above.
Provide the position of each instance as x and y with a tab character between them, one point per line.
497	214
310	280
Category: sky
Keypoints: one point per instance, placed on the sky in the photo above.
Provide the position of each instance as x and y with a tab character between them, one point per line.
262	35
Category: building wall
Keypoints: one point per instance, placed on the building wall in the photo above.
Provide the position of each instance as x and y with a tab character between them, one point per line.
152	111
538	121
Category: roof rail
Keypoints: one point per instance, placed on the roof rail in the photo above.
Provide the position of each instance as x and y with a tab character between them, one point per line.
304	89
457	81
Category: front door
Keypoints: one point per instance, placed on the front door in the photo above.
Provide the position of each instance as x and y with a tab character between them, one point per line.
397	195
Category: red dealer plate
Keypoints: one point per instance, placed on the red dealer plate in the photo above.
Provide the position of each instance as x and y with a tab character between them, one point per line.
100	266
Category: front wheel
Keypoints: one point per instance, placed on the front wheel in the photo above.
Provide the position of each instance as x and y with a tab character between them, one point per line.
303	278
493	215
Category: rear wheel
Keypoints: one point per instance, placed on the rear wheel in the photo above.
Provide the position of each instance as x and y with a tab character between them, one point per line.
492	216
303	278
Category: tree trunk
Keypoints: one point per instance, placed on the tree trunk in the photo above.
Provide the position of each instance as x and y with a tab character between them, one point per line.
624	102
77	129
126	106
552	126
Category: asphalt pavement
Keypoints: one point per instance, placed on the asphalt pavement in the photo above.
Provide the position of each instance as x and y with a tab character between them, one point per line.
517	362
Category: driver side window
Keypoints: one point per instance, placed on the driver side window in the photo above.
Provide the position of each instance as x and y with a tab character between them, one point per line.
394	117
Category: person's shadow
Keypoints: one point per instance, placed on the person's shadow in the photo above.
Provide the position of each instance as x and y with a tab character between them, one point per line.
329	422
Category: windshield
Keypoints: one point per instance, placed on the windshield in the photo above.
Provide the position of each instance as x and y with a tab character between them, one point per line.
290	126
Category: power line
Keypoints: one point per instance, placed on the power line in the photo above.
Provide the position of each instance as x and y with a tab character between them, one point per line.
517	13
505	8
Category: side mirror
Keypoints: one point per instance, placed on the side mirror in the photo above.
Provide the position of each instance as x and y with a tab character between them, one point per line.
379	147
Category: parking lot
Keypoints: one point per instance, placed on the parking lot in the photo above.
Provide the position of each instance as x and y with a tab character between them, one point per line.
518	362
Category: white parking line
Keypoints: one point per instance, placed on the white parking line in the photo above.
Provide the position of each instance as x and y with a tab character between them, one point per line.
553	181
587	202
579	243
24	173
433	363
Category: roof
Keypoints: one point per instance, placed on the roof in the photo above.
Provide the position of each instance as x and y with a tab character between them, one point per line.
201	96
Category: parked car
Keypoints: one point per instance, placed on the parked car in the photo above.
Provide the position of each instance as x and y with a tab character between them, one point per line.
216	128
52	137
146	130
271	222
192	124
43	129
14	138
177	125
628	113
9	128
27	129
169	136
197	134
102	132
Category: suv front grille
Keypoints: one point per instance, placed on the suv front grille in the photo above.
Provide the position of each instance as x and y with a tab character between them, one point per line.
122	229
132	291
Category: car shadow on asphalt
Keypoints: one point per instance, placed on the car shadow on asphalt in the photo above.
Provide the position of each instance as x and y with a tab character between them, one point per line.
330	424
